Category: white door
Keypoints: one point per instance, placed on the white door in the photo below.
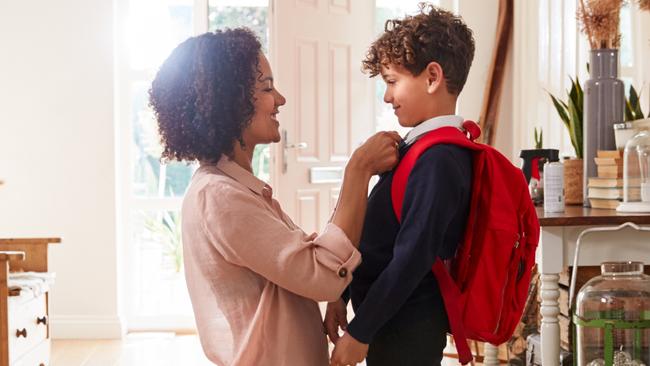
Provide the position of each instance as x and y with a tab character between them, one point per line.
316	52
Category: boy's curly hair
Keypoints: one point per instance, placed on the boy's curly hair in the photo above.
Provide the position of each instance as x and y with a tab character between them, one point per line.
413	42
203	94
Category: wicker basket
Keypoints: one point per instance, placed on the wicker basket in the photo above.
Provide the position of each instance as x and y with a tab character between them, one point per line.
573	181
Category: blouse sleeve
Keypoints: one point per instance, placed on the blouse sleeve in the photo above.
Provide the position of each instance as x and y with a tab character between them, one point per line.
247	233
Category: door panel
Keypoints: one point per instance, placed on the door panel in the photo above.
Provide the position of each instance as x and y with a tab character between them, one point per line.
308	209
316	52
339	139
307	99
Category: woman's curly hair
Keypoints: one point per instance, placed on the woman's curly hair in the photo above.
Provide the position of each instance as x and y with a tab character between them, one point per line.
203	94
415	41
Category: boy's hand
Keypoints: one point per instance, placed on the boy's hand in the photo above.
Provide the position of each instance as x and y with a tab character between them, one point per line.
336	316
348	351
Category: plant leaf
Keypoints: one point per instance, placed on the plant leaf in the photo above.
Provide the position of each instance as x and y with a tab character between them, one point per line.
539	136
635	103
573	93
575	130
629	116
580	102
561	110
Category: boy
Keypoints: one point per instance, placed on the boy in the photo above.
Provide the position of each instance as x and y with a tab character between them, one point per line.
399	313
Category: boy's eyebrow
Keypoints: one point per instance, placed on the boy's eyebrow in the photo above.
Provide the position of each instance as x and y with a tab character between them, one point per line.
269	78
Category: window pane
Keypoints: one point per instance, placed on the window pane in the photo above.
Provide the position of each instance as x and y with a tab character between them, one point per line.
391	9
627	51
254	15
158	254
250	13
261	158
385	119
150	177
155	27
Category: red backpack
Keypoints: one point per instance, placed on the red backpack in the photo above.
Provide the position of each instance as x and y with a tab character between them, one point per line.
484	287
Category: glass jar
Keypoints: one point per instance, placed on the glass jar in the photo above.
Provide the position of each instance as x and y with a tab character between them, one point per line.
612	317
636	174
623	132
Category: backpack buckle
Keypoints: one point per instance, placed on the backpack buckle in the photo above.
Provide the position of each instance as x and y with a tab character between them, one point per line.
472	129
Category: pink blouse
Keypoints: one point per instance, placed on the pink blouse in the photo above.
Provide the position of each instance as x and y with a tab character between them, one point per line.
253	276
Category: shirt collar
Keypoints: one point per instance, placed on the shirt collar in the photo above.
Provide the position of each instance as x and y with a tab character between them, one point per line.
432	124
243	176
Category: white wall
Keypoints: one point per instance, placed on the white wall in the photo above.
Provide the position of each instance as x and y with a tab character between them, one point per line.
57	152
481	17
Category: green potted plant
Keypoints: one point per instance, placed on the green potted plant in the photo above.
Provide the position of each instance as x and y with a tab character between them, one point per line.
570	112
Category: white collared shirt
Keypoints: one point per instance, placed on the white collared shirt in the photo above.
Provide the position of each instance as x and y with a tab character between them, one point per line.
432	124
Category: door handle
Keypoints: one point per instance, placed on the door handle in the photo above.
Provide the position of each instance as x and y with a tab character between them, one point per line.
285	149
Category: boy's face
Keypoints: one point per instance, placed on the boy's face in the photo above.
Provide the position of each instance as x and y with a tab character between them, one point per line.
410	96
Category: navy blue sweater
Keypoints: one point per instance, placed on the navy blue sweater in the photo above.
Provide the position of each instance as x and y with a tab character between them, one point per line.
394	282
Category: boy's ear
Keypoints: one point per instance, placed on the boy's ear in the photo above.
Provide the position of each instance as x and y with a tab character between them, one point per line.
435	76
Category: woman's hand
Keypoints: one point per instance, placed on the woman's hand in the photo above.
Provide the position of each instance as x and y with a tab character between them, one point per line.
378	154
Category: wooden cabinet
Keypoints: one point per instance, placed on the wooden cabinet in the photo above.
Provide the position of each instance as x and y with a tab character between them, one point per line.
24	317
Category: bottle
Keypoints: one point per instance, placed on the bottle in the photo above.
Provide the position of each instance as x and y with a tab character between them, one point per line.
553	187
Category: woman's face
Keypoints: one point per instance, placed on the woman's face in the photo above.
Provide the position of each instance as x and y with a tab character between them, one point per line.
264	127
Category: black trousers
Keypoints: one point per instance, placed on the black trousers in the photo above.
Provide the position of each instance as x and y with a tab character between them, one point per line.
414	343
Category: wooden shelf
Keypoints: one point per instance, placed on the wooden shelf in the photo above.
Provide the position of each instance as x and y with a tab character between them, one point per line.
13	241
582	216
35	252
12	256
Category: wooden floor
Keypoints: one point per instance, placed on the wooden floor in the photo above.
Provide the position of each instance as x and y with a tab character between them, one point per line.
137	349
160	349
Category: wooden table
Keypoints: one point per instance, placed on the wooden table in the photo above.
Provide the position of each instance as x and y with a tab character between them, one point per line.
556	251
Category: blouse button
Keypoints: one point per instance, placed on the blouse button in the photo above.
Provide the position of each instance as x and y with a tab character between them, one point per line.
267	192
343	272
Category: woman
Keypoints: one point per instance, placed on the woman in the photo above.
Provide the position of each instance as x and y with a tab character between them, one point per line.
253	276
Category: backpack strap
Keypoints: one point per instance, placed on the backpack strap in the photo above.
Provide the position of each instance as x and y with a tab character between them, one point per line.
448	288
443	135
451	298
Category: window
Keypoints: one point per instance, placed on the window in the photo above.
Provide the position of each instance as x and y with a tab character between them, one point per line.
548	49
389	9
634	49
254	15
152	192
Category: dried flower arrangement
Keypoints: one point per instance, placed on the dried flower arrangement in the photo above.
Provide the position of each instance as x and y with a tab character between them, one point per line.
600	22
644	5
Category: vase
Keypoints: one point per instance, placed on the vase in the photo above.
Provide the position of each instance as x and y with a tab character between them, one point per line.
573	169
604	106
